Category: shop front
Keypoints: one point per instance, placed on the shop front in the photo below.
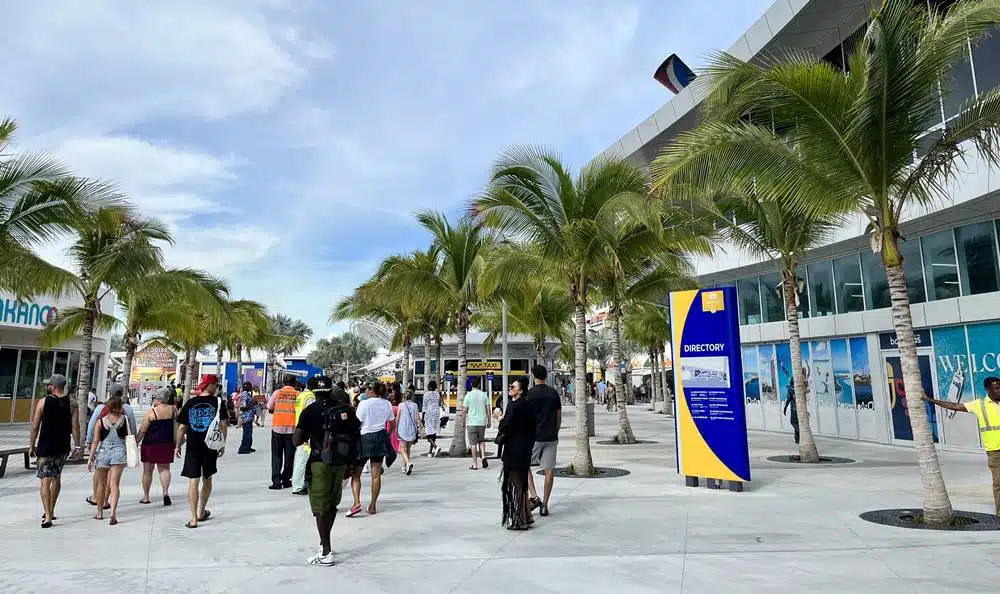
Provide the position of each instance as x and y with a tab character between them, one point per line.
24	366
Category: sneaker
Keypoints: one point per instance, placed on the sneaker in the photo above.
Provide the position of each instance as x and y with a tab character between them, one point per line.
274	487
409	469
354	511
544	510
321	559
535	503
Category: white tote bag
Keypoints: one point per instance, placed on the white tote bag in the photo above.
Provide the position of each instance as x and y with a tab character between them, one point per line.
131	448
214	439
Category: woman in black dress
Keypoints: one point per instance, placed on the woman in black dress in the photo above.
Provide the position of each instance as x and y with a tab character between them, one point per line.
517	434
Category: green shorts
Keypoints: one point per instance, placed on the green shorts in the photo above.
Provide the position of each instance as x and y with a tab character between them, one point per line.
327	486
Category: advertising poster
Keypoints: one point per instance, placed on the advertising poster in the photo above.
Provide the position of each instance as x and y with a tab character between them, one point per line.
984	345
751	388
823	388
769	397
154	363
807	373
869	426
711	427
783	360
254	375
847	418
899	405
955	384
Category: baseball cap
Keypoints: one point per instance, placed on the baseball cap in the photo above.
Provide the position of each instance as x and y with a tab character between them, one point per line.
205	381
116	390
323	383
58	380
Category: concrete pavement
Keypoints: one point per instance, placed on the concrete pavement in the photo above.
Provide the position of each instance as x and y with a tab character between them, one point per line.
438	530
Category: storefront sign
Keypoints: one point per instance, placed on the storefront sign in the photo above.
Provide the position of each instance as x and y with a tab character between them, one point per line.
26	314
711	428
887	340
485	366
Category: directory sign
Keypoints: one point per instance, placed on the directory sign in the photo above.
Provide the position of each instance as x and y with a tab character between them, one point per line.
711	426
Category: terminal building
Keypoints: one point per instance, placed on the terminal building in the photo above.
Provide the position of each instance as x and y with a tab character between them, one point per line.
849	348
24	366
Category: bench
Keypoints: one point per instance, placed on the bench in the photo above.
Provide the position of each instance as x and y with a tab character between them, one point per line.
4	454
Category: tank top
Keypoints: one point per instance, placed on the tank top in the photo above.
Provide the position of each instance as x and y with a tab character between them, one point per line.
57	425
118	429
159	431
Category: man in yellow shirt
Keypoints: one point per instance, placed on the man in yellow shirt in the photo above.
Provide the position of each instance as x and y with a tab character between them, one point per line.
987	411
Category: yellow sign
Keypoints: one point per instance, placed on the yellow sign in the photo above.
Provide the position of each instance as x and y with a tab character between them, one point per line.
485	366
712	301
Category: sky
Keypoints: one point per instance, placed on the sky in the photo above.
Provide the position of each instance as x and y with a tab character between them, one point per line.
287	143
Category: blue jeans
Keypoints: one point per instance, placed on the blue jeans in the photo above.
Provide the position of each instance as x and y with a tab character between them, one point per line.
247	442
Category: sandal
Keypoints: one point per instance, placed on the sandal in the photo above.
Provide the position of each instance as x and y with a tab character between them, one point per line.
354	511
205	515
166	500
47	524
90	500
190	525
144	501
113	522
473	468
519	527
371	509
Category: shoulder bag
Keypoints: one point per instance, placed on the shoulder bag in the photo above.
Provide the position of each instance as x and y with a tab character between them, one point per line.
214	439
131	449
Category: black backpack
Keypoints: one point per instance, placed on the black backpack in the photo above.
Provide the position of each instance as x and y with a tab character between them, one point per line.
339	435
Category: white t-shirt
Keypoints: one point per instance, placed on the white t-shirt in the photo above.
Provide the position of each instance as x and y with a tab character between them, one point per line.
374	413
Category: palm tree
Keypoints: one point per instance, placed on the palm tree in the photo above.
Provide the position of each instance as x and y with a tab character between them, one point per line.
287	336
39	201
156	303
537	308
113	250
565	225
344	351
463	247
848	143
648	325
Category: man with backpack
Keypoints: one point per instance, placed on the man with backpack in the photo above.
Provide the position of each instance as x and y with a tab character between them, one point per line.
333	431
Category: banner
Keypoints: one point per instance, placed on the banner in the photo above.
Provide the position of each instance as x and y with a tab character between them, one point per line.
711	428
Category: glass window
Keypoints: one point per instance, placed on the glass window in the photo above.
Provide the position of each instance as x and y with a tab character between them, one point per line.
957	87
73	371
847	272
802	291
748	294
940	268
914	270
977	258
821	288
772	302
986	58
876	284
25	386
62	361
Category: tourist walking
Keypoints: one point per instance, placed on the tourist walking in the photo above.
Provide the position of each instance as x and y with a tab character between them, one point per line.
430	416
114	390
497	417
396	399
987	412
517	434
407	428
281	405
476	409
306	397
52	425
248	416
332	430
548	410
375	413
156	436
200	461
108	456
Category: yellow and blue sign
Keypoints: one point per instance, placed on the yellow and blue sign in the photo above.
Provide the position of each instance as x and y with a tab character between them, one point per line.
711	428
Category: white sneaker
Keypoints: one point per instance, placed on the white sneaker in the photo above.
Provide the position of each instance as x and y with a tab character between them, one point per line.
321	559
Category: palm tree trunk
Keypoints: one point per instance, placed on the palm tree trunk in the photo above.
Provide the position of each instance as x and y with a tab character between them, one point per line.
440	360
540	351
807	444
131	346
83	374
583	462
668	402
654	380
219	371
189	380
407	344
458	445
625	434
428	340
272	364
934	493
239	366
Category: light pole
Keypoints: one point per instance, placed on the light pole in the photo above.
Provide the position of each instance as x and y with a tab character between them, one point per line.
503	355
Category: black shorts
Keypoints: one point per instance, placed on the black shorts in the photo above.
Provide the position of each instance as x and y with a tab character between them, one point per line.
200	462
